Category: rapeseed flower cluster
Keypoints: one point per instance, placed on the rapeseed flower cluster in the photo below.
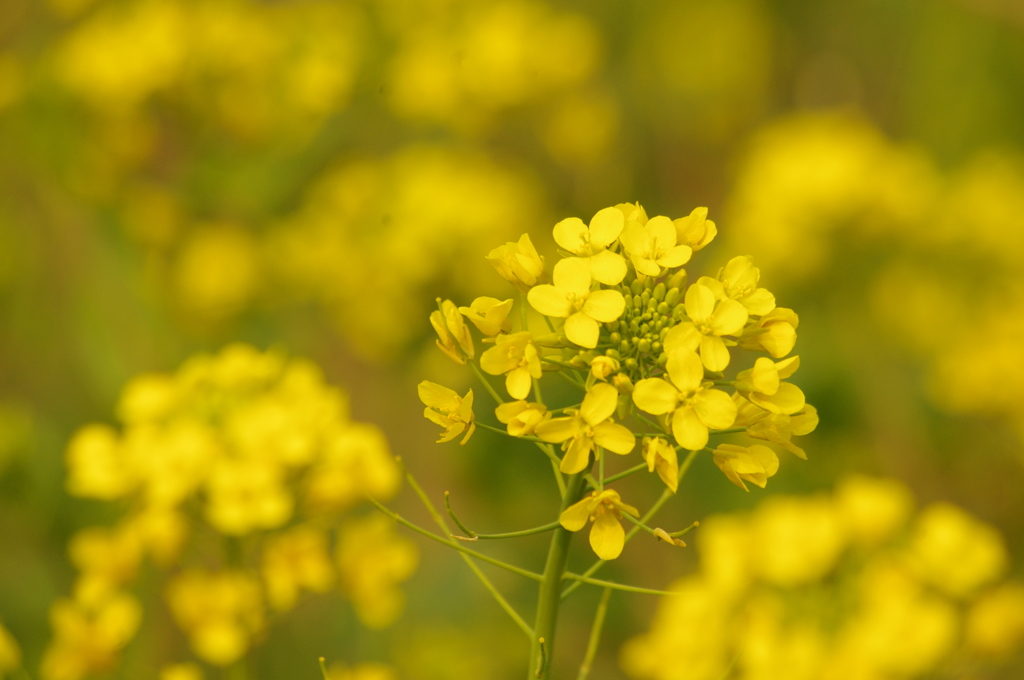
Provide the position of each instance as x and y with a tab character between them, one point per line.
235	476
653	345
853	585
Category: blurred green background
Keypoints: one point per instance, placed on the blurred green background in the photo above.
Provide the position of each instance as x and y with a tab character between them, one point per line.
176	175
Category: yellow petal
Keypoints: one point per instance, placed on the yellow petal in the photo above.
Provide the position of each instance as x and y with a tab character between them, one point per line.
575	517
604	305
766	457
577	456
729	318
636	240
607	536
572	235
599	403
662	232
788	367
688	429
685	370
615	438
645	266
549	301
789	399
715	408
438	396
690	229
700	303
557	430
760	302
740	274
804	422
764	377
608	268
676	256
655	396
714	353
572	275
509	410
682	336
606	226
518	383
499	359
582	330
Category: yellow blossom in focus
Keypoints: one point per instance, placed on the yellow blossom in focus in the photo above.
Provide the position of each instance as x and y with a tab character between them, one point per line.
295	560
590	427
603	366
775	333
518	263
10	652
453	334
995	623
661	456
446	408
754	464
489	315
763	386
517	357
692	404
604	509
372	560
572	299
591	244
710	319
652	247
521	417
181	671
695	230
777	428
955	551
738	281
220	612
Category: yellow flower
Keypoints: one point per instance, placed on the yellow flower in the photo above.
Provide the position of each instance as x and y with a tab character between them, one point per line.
446	408
220	611
603	366
10	652
955	551
518	263
489	315
995	624
570	298
589	427
453	334
633	212
754	464
661	456
590	244
695	230
763	385
517	357
775	333
873	510
710	319
181	671
372	560
522	418
294	560
605	509
88	636
652	246
777	428
244	495
694	406
737	280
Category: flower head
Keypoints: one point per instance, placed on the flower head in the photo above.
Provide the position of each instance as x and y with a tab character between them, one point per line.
652	247
517	357
661	456
694	406
452	333
518	263
695	230
591	243
591	426
754	464
774	332
521	417
446	408
570	298
764	387
605	509
710	319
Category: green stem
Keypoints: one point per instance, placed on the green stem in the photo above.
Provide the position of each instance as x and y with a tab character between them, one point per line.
731	430
486	382
665	495
492	428
549	596
616	586
556	465
595	635
525	532
625	473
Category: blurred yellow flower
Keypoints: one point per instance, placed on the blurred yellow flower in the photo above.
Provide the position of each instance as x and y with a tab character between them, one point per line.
372	561
181	671
220	611
88	636
995	623
604	509
956	552
446	408
589	427
10	652
572	299
295	560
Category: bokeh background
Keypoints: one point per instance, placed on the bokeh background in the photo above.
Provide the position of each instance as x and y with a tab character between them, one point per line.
308	175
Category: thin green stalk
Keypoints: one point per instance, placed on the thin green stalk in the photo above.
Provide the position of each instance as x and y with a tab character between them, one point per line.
616	586
600	469
731	430
595	635
625	473
517	534
665	495
486	382
492	428
549	595
451	544
556	465
571	381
